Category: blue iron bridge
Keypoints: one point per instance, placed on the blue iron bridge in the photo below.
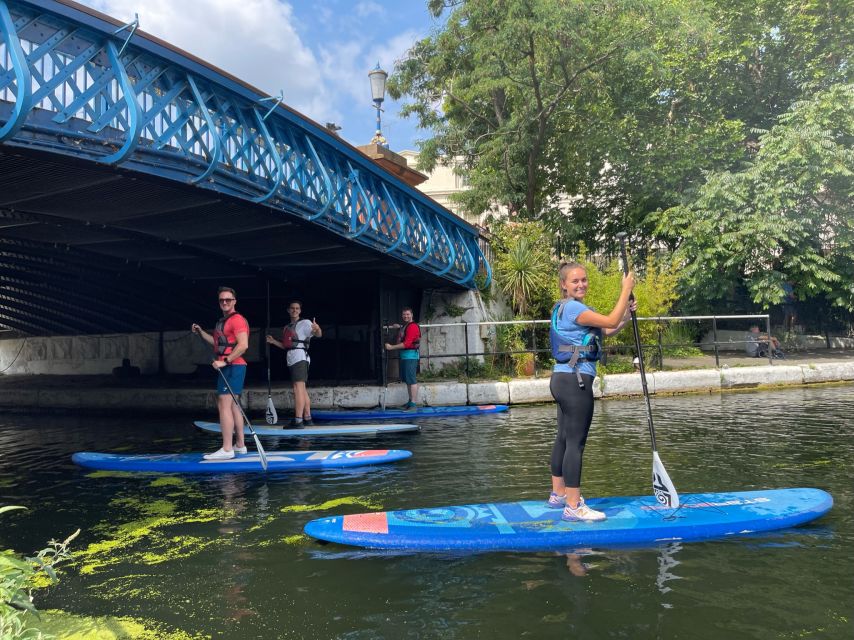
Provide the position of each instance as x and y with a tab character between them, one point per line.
121	155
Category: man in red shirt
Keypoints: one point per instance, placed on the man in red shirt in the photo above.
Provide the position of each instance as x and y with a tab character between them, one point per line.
230	340
408	343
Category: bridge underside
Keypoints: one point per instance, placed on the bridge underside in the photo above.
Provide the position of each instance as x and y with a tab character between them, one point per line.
88	248
135	179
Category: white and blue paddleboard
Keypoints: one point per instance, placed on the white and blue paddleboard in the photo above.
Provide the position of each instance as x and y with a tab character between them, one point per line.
337	430
532	526
241	463
407	414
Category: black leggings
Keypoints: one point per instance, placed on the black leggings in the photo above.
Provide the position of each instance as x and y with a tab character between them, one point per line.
574	414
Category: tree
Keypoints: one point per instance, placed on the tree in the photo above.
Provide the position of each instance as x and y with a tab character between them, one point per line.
524	269
592	116
787	216
519	87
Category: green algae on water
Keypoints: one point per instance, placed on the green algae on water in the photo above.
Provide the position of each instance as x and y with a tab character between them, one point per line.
331	504
111	474
153	531
168	481
67	626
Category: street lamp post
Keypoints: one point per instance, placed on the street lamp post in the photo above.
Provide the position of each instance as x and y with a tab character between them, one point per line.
378	78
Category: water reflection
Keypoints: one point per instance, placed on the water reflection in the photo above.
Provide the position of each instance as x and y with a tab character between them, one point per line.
666	563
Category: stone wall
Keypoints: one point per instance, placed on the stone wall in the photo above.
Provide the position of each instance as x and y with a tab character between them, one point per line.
445	307
99	354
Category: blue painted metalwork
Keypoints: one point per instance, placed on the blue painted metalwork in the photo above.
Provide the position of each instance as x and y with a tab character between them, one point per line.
20	66
65	87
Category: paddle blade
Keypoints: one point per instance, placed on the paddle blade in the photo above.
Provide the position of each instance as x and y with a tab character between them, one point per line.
662	486
262	455
272	416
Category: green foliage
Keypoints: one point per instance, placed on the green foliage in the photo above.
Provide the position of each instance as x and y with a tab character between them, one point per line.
679	340
454	311
18	578
615	365
524	268
655	294
731	116
786	216
477	370
524	90
480	283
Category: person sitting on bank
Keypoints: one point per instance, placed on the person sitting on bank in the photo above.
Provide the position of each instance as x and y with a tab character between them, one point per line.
126	370
408	343
757	344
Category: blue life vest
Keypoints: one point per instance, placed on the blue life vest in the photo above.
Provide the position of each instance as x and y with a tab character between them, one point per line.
565	351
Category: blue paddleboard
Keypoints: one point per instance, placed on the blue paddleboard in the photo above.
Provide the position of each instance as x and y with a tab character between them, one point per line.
406	414
247	462
337	430
532	526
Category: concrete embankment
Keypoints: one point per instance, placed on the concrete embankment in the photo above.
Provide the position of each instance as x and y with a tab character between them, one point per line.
139	396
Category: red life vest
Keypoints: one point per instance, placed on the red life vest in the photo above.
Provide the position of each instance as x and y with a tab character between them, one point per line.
401	337
290	339
222	347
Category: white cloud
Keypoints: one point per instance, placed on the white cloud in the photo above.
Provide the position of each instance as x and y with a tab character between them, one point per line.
367	8
263	43
345	65
254	40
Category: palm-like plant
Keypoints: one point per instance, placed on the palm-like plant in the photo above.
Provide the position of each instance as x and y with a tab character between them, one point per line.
524	272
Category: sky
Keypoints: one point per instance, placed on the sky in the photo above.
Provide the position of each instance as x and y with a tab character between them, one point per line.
319	52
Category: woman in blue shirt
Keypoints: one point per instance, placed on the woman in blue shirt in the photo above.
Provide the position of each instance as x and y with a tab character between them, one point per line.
572	387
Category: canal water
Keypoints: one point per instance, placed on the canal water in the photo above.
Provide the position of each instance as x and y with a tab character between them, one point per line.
224	556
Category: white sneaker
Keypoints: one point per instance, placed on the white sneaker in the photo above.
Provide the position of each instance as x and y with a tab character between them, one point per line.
221	454
582	513
240	450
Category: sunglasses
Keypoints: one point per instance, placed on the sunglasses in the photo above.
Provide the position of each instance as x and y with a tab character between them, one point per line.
226	300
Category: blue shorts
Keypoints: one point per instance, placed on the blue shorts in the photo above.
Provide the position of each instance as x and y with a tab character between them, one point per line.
408	369
235	374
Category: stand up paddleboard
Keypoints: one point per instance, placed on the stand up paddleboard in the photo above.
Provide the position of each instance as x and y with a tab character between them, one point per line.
242	463
405	414
532	526
337	430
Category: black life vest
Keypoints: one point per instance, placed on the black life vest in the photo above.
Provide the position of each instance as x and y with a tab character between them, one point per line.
222	347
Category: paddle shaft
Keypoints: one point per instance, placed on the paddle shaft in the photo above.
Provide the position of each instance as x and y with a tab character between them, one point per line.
236	401
261	453
638	347
267	344
384	365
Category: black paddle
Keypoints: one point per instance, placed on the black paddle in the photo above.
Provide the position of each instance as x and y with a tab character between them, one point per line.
272	416
662	486
384	364
261	454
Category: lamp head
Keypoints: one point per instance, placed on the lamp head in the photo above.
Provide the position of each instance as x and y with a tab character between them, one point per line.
378	78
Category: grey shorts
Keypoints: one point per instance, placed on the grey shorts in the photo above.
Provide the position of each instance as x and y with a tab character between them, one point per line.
299	371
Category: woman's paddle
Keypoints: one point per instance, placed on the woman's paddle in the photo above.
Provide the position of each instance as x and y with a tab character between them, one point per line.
272	416
662	486
261	453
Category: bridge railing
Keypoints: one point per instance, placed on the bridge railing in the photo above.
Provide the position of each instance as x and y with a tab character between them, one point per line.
79	83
